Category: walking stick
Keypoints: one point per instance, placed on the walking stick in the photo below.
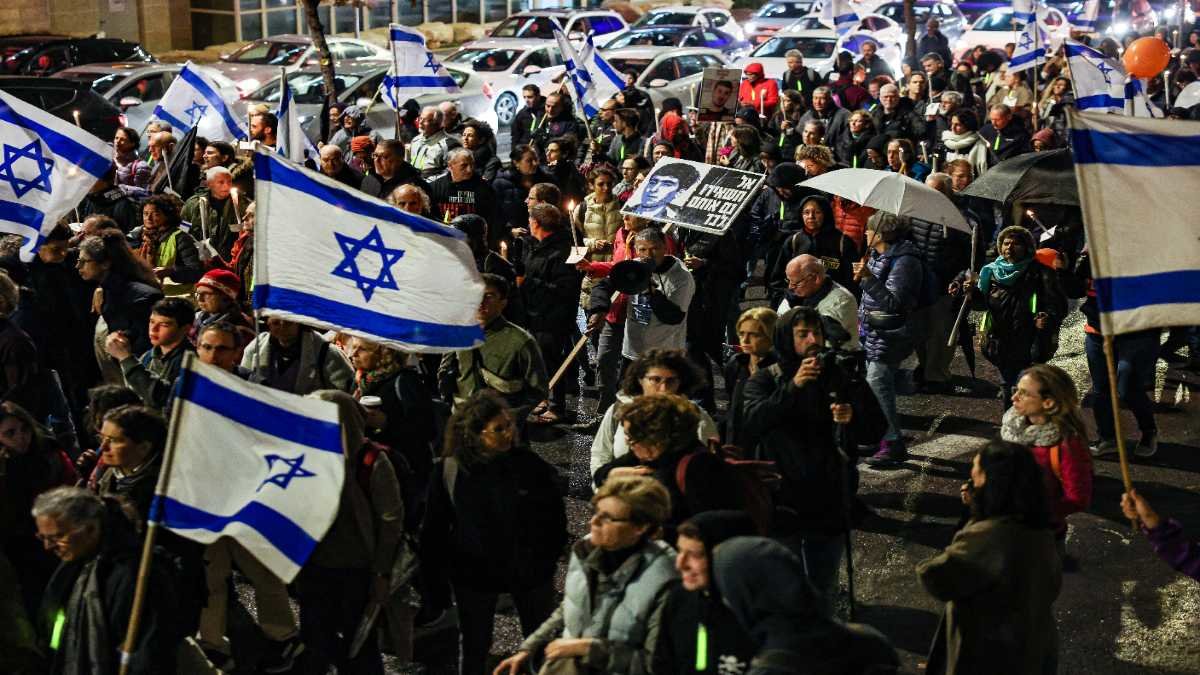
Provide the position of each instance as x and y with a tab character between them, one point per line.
966	305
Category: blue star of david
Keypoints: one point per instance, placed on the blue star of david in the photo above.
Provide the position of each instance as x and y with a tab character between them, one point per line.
1026	41
430	63
1105	69
33	151
348	268
294	470
196	112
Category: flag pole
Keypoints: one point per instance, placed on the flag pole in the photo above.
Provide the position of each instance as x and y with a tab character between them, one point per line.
1115	401
1037	108
966	306
139	593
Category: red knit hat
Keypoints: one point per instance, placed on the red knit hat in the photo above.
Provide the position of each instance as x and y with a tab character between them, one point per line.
360	143
222	281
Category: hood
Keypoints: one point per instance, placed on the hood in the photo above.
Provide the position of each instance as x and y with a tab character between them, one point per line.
671	126
350	415
718	526
755	67
786	175
749	115
784	344
902	247
879	143
826	209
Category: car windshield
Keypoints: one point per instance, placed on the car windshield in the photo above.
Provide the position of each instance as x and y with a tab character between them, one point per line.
665	19
306	87
895	12
625	66
526	26
807	23
99	82
269	53
784	10
995	21
486	60
810	47
647	38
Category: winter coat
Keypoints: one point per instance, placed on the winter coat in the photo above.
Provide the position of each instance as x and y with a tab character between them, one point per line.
153	375
176	251
733	427
550	290
114	204
969	146
850	219
729	647
565	124
763	96
598	222
406	174
21	378
1066	464
945	250
487	164
320	365
1013	140
472	195
835	119
410	431
611	442
893	290
126	309
503	529
805	83
1174	549
525	122
837	251
903	122
429	154
622	147
832	301
1013	341
999	579
511	191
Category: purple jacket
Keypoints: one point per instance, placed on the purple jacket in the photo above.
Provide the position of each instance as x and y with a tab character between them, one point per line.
1175	550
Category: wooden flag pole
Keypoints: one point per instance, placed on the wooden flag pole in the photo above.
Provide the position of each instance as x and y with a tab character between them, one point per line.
1114	399
139	593
575	351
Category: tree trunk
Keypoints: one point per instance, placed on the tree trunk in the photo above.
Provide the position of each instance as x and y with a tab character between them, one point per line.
910	32
317	33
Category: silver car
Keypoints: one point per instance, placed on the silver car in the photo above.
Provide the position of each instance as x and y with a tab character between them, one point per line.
671	74
505	65
705	17
775	16
259	61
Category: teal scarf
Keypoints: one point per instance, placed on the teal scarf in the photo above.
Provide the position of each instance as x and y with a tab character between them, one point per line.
1004	272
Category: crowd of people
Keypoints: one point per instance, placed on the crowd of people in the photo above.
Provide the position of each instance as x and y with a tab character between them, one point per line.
719	523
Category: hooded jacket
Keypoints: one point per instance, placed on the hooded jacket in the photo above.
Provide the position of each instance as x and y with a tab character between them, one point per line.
893	290
551	288
511	192
836	250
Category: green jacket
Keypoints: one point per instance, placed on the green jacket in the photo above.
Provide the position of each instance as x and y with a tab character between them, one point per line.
220	227
508	362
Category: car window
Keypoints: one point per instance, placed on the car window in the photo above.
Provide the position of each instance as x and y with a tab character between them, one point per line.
995	21
538	57
715	39
555	56
602	25
784	10
694	39
649	38
267	52
666	70
53	99
716	18
690	65
49	61
484	60
149	88
623	66
711	61
810	48
667	18
807	23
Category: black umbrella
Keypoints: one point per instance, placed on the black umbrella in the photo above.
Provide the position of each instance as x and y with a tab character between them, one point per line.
180	162
1033	178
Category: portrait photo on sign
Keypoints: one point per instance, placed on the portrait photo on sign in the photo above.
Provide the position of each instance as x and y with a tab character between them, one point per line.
694	195
718	94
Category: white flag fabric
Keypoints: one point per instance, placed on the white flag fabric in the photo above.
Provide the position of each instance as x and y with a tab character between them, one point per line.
259	465
48	165
1137	179
1030	50
594	79
415	69
329	256
1085	21
839	15
1024	11
1101	85
290	139
194	100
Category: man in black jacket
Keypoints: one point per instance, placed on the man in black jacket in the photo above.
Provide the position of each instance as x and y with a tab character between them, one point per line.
1006	136
391	171
461	191
550	293
558	121
333	164
525	122
895	116
799	77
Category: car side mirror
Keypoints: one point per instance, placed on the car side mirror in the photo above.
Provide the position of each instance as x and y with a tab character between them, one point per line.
657	83
129	102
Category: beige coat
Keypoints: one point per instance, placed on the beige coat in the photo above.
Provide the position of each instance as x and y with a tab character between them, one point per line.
599	223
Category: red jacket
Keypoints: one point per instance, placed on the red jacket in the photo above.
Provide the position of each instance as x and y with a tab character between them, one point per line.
763	96
1070	486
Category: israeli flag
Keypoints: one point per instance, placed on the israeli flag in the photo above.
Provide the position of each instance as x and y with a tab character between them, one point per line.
1101	85
1024	11
48	165
194	100
1085	21
259	465
1030	51
1137	181
840	15
329	256
416	70
593	78
290	139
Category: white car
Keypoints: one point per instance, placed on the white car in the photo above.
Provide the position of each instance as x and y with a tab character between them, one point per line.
662	75
880	27
995	29
819	47
681	15
505	65
259	61
775	16
539	25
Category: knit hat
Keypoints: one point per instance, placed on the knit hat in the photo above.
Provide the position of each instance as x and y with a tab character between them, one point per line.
222	281
1046	136
754	67
785	175
360	143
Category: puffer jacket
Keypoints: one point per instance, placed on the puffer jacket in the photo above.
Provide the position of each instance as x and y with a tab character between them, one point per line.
510	195
1015	342
892	289
945	250
836	251
599	222
550	290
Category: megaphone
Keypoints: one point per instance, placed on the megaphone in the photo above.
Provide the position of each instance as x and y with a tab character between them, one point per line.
631	276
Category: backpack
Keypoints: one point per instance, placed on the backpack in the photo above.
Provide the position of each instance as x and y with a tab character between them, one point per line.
755	480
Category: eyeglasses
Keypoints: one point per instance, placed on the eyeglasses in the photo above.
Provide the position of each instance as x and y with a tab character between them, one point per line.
83	261
56	539
603	518
799	282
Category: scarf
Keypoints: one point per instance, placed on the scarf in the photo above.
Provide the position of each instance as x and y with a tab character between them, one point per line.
368	379
959	142
1005	273
1016	428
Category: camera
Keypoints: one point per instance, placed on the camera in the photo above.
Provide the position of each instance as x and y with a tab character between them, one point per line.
842	373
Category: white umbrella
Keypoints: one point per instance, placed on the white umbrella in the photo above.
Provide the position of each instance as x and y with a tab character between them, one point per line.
891	192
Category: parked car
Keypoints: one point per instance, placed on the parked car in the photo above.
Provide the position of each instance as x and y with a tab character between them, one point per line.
47	54
539	25
666	74
505	65
881	27
995	29
774	16
260	60
670	37
675	15
950	18
64	99
818	47
308	87
136	87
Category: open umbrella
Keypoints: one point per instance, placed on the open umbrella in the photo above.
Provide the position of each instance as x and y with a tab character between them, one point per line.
892	193
1046	177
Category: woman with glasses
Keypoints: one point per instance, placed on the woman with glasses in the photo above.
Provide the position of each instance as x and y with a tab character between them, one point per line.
495	523
614	587
658	371
166	247
217	295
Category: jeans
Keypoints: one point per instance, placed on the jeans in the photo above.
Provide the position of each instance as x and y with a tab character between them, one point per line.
476	616
822	557
1135	358
882	379
608	363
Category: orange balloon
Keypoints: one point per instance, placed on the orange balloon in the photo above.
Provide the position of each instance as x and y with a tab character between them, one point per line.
1146	57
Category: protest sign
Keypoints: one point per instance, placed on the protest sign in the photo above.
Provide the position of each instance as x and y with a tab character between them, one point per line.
693	195
718	94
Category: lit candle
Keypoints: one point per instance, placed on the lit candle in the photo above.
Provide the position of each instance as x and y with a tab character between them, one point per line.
233	194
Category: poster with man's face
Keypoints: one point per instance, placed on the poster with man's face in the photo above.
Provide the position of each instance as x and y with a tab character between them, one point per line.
694	195
718	94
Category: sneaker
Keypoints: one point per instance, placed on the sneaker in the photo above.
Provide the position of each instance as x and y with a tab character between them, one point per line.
891	453
1147	447
1102	447
282	656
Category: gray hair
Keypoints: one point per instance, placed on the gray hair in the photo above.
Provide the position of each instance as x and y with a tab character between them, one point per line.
458	153
889	88
941	182
651	235
10	294
823	90
437	113
952	97
330	150
793	53
445	106
889	227
217	171
74	505
426	204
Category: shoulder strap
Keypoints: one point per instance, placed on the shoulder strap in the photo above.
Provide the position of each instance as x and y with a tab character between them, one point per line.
450	476
681	472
